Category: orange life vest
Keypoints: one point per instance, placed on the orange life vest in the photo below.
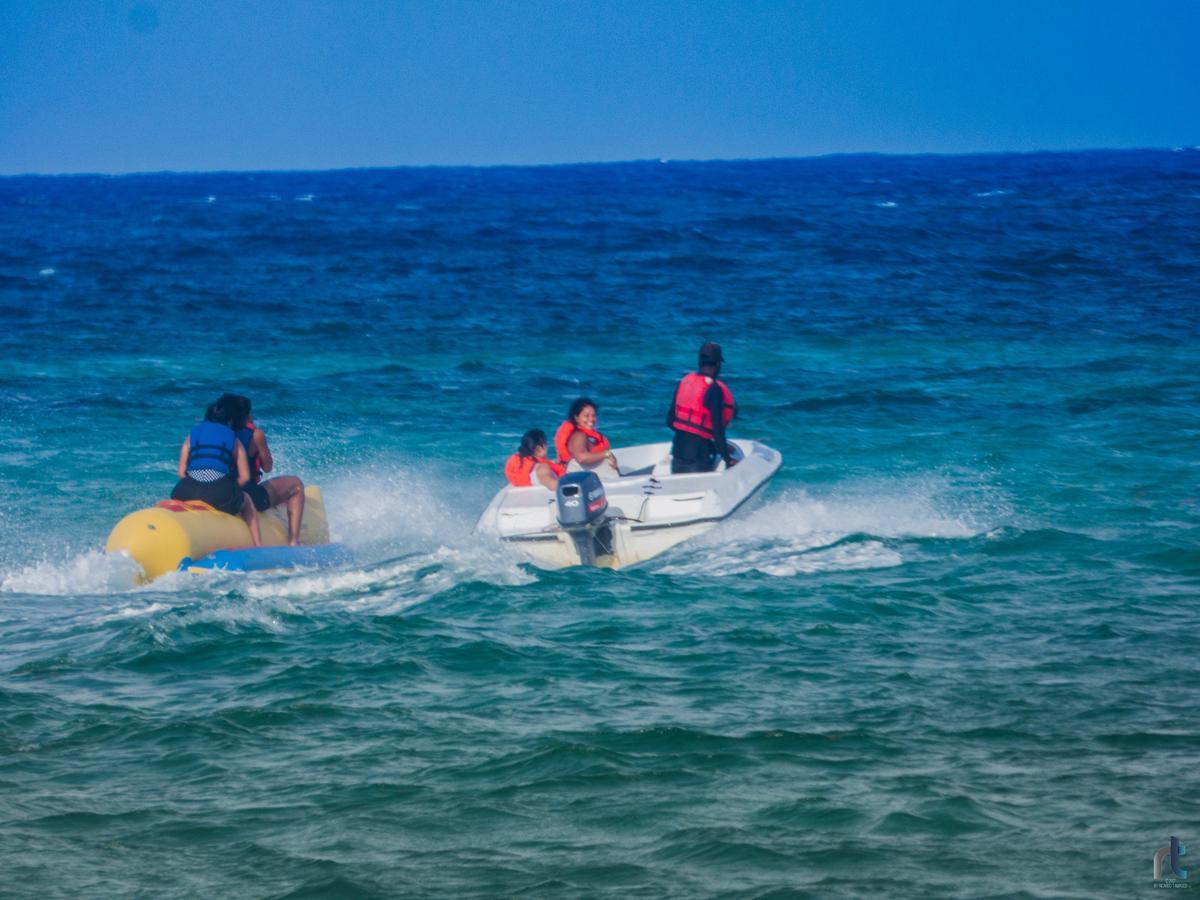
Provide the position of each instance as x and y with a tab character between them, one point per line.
519	469
691	415
597	443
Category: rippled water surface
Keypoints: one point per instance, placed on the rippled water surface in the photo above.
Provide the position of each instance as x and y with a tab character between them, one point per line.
950	653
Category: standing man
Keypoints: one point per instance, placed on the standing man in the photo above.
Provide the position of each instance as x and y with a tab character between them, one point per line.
700	411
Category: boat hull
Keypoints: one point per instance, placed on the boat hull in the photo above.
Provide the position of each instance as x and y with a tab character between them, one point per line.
649	509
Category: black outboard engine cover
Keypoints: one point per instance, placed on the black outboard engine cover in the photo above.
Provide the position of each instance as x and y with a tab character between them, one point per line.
581	500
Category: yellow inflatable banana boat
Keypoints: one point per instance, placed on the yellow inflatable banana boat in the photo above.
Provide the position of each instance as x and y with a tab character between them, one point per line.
163	536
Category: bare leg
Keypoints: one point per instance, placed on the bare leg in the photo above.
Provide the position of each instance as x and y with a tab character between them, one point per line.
290	490
250	514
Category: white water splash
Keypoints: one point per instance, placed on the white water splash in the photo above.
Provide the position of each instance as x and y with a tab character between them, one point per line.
412	537
394	508
847	530
410	540
93	572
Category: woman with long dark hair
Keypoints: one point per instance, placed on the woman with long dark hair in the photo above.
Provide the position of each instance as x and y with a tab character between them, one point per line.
577	439
275	491
531	464
213	466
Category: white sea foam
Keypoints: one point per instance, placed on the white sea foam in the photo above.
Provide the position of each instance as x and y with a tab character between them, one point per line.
394	507
308	585
93	572
133	611
878	509
393	586
850	528
306	198
46	271
791	558
264	615
886	204
998	193
410	541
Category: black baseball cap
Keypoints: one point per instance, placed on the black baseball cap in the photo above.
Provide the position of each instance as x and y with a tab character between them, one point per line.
710	354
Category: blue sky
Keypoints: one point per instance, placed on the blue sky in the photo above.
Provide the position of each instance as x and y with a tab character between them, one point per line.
148	85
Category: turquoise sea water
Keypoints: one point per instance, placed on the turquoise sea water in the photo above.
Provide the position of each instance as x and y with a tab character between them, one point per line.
951	653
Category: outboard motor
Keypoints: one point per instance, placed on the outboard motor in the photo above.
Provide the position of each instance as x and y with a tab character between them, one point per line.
583	514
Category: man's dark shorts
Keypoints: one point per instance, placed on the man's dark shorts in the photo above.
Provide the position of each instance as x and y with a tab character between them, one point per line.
258	493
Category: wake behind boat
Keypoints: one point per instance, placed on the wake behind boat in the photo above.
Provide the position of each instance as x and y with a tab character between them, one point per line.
622	521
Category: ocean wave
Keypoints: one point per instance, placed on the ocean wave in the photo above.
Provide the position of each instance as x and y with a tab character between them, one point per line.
392	587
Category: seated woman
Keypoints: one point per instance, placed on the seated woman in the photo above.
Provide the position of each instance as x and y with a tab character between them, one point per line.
213	465
578	441
276	491
530	465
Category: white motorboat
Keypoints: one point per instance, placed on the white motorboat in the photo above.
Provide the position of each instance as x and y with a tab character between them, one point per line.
626	519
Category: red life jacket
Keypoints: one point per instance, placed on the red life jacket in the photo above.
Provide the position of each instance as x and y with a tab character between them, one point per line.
519	469
596	443
246	436
691	415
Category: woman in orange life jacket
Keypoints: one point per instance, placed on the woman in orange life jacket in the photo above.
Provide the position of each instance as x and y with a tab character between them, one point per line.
699	412
276	491
577	439
530	465
213	467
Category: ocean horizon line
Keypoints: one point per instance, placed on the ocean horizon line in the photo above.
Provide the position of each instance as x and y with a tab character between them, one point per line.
716	160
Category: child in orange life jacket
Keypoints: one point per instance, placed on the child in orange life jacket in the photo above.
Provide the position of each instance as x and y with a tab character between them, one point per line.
577	439
530	464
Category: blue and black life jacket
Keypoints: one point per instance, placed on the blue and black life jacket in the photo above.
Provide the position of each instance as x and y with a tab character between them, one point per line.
211	446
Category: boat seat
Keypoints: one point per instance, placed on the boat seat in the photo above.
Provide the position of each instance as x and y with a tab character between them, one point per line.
637	473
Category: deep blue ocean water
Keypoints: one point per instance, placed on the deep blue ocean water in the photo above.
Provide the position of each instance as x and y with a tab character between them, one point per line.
952	652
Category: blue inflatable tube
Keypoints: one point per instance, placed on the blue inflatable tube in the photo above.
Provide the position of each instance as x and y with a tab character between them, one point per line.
258	559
